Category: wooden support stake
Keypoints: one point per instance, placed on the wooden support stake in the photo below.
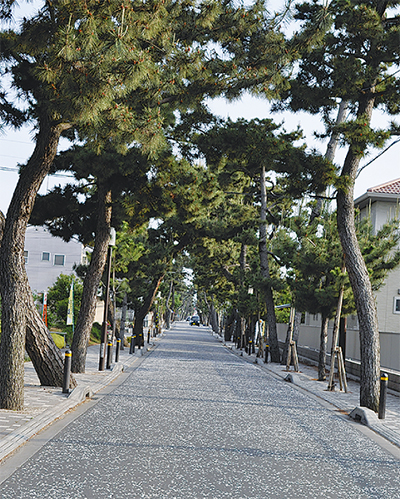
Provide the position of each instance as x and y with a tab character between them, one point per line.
292	351
335	336
341	370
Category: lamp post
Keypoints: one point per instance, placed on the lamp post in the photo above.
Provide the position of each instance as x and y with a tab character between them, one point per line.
103	343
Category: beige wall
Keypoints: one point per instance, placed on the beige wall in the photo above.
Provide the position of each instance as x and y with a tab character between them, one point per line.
382	211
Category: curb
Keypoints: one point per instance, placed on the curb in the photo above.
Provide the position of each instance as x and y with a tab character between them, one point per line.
369	418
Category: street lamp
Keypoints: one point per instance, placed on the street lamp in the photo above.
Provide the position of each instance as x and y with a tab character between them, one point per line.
111	243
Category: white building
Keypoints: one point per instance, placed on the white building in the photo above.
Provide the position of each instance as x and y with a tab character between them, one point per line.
46	257
381	203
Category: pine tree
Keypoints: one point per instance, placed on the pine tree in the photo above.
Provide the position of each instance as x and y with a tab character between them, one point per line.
248	150
313	257
99	71
349	51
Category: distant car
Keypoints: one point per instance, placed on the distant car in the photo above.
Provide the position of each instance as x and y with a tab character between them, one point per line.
195	320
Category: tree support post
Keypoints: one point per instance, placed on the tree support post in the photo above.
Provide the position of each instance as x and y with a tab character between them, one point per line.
105	317
337	351
292	350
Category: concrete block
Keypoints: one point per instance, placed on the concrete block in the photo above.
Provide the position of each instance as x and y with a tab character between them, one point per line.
364	416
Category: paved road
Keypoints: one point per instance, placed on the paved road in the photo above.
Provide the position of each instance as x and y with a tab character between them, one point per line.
195	421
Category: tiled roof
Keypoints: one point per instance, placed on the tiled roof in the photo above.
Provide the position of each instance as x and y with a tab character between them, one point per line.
392	187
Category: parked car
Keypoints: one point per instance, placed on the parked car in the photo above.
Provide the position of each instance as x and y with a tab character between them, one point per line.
195	320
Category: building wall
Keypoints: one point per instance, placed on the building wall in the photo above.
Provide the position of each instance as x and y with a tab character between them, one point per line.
381	212
386	298
47	257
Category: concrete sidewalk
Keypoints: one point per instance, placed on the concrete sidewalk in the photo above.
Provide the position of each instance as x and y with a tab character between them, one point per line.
45	404
344	403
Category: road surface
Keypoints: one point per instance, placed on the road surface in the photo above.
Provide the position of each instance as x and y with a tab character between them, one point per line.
192	420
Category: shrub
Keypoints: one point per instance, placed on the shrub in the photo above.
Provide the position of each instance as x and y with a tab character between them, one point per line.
95	334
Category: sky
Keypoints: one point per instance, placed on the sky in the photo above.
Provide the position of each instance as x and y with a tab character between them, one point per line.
17	146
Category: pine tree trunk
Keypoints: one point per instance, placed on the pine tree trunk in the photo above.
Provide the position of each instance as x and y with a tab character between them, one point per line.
358	275
42	351
264	265
296	329
138	324
14	285
330	154
141	313
323	342
214	318
168	311
91	283
229	326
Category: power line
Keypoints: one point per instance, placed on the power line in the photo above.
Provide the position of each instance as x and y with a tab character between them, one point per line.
16	170
376	157
18	141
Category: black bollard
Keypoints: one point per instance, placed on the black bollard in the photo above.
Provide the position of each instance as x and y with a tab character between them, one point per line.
266	354
109	354
117	349
67	371
148	336
133	344
383	395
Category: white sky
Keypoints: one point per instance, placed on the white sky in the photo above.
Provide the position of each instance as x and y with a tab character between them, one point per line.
17	146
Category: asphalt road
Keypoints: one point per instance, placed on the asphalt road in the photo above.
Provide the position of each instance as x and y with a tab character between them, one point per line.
192	420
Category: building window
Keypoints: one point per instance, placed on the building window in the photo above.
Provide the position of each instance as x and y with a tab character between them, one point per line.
45	256
26	257
396	308
59	259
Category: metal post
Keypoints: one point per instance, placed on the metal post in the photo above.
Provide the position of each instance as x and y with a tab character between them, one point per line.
67	371
383	395
132	346
109	353
266	354
117	350
148	336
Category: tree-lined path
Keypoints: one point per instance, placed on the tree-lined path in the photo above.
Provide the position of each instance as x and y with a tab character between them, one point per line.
194	421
